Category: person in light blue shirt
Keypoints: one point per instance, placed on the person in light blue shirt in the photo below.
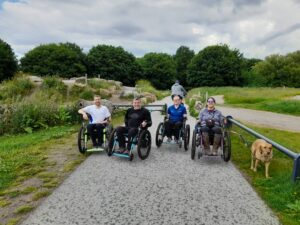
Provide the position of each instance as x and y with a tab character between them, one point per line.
176	114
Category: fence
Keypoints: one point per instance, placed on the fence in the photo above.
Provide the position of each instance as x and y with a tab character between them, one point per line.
286	151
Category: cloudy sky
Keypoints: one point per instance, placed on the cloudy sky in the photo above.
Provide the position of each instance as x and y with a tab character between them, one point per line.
256	27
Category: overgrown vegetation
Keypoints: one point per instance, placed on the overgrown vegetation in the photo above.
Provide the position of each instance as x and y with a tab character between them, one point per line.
146	86
269	99
279	192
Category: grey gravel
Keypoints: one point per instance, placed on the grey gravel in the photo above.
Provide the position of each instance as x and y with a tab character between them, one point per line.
166	188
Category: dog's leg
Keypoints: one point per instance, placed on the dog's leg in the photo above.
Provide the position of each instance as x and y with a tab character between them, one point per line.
252	162
267	169
255	166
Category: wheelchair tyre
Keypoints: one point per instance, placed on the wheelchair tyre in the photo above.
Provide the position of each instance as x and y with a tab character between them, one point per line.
144	144
193	149
108	131
226	147
159	135
81	140
111	141
187	137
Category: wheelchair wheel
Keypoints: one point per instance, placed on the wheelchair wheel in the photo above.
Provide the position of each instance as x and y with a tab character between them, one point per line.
131	156
193	149
144	144
159	135
226	147
82	138
187	137
111	142
108	131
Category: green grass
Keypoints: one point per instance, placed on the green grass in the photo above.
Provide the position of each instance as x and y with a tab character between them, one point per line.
146	86
20	156
24	209
279	192
268	99
40	194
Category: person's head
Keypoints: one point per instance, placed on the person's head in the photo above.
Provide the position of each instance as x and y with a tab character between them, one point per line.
211	102
176	100
137	103
97	100
177	82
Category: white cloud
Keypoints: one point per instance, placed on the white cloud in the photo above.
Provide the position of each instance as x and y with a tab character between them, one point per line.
256	27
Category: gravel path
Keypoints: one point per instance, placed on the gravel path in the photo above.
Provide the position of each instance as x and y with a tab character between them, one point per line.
167	188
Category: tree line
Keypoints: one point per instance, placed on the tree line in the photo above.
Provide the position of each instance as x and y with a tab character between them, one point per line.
216	65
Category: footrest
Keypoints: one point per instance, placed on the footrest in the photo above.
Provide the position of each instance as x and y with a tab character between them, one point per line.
120	155
95	150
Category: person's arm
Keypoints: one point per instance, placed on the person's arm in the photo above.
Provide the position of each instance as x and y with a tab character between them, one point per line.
126	118
147	121
83	113
184	113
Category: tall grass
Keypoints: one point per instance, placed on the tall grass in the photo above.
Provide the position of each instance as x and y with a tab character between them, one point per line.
146	86
15	88
269	99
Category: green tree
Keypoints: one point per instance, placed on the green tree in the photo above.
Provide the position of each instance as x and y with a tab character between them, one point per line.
215	65
113	63
278	70
159	68
249	78
182	58
64	59
8	61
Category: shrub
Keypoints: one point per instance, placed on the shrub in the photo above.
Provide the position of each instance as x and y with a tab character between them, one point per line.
18	87
54	83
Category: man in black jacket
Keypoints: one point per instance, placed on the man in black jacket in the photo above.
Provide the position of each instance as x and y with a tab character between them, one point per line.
135	117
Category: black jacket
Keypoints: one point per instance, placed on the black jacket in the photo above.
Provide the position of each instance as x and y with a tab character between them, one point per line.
134	118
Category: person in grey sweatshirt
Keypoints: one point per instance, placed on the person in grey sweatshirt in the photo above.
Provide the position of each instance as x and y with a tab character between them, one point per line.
178	90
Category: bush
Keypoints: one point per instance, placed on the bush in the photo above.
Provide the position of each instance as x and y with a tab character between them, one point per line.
18	87
146	86
53	82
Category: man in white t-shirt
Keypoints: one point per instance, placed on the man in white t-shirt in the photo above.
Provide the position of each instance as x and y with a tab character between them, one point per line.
100	116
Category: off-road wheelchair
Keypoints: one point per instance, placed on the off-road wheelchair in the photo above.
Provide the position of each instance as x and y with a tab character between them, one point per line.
84	145
198	146
184	134
142	140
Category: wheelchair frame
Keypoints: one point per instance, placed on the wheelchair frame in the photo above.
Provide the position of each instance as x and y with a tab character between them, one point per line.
184	134
84	137
139	141
197	143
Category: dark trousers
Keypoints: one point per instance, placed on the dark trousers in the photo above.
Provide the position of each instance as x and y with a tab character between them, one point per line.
213	130
131	131
172	128
96	132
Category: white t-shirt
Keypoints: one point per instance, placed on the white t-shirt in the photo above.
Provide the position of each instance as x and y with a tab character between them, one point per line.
98	114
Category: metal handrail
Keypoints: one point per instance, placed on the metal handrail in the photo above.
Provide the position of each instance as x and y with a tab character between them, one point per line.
163	107
286	151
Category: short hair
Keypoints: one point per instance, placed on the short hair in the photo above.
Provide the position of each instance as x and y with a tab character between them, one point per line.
97	96
212	98
137	98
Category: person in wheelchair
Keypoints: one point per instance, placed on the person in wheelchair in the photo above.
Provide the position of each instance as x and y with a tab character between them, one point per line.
135	117
210	120
99	118
176	114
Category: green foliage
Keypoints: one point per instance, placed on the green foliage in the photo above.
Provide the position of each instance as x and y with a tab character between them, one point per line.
268	99
8	61
113	63
146	86
15	88
87	94
64	59
278	70
279	192
54	83
216	66
182	58
159	69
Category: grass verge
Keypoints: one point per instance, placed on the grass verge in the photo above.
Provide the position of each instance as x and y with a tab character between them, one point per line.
279	192
268	99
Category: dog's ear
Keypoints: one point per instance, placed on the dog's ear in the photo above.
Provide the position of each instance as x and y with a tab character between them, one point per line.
260	149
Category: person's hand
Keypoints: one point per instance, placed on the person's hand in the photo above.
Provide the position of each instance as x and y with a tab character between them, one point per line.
144	123
85	116
225	121
102	122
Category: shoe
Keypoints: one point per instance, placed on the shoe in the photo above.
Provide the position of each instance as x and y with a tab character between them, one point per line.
120	150
169	139
100	145
126	152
